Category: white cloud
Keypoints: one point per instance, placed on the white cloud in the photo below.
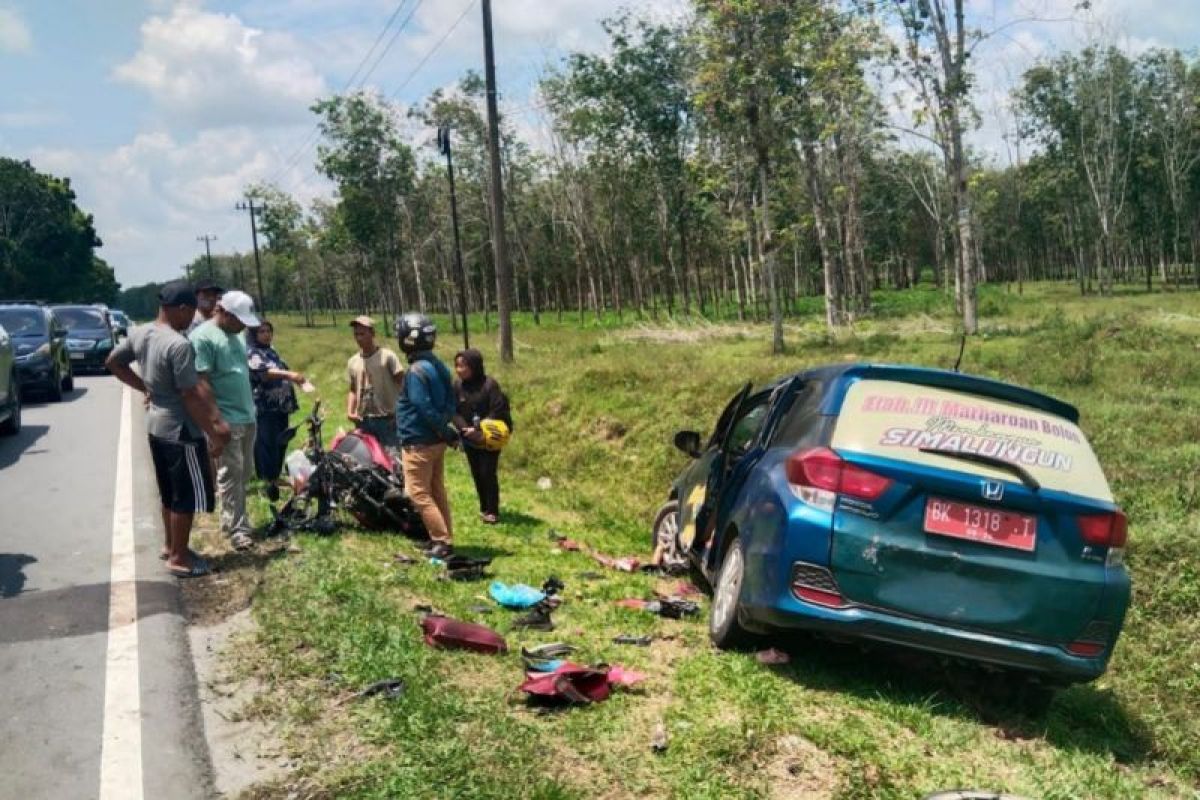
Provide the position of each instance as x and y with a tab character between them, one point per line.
209	70
14	33
153	196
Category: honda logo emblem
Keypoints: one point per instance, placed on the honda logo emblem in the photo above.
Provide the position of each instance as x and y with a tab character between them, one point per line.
993	490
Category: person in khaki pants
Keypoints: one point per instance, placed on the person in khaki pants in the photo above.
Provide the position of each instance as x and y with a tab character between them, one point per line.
424	412
221	360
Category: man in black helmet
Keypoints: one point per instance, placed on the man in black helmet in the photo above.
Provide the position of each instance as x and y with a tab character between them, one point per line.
424	412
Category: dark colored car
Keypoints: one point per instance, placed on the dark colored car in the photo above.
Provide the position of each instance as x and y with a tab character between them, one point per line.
10	387
945	512
40	344
120	322
90	336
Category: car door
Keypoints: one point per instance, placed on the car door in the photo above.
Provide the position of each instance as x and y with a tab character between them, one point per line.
735	456
692	487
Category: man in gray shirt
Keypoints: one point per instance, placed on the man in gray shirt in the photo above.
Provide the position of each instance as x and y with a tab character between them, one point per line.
181	412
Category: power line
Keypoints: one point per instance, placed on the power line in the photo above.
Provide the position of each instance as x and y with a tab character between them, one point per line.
294	157
433	49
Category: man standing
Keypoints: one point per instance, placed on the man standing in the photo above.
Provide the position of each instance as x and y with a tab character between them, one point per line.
207	294
376	375
423	422
179	409
221	360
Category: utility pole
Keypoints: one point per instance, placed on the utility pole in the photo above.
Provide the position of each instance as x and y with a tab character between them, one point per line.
444	146
248	205
207	238
504	280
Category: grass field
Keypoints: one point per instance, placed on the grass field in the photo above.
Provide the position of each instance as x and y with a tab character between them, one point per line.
595	409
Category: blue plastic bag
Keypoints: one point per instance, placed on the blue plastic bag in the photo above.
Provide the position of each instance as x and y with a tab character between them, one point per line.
516	596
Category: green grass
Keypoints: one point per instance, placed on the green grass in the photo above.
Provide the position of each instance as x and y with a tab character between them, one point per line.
595	409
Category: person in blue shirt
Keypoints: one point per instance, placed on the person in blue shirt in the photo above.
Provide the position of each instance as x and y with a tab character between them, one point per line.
424	413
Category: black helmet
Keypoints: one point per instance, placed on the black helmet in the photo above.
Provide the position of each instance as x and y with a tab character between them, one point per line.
415	332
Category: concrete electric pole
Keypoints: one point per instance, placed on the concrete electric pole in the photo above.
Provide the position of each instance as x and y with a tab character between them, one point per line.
248	205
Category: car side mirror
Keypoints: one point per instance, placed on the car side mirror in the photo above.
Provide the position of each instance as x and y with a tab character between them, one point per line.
688	442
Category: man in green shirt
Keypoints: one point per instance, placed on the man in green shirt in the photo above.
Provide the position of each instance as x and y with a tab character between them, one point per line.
221	360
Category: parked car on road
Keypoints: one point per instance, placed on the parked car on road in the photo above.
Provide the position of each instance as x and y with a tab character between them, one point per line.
940	511
120	322
10	387
40	343
90	336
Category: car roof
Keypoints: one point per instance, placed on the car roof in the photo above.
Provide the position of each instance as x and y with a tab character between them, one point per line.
844	375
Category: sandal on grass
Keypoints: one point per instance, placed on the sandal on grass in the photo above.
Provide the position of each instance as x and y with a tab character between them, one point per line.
198	569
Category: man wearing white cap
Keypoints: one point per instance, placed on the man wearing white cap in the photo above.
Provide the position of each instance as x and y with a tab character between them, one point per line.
221	360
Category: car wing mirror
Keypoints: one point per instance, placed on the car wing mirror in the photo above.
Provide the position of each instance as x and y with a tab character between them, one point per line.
688	442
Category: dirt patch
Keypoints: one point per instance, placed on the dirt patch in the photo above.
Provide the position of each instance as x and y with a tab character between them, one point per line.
236	576
245	749
800	769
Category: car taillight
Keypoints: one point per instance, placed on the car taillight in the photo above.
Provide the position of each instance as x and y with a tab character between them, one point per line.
821	468
1104	530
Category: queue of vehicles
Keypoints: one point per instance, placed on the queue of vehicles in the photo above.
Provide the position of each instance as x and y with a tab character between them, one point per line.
42	347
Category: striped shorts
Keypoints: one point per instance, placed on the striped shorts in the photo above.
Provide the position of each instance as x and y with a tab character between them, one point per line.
184	473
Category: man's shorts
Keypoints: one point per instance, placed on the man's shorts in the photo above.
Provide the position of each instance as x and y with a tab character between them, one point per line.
184	473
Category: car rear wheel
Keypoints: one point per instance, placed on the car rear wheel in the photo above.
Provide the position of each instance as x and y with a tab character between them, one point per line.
12	425
723	626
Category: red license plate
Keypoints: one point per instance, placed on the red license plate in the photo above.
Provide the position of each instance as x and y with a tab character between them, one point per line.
979	524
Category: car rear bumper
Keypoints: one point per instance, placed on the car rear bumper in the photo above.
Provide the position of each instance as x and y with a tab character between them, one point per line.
876	625
36	374
89	359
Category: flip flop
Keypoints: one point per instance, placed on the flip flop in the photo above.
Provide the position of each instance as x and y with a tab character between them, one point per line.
198	569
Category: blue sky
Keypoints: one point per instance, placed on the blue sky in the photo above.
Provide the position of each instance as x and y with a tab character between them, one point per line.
161	111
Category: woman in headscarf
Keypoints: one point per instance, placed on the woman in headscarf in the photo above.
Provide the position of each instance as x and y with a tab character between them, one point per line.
274	401
479	397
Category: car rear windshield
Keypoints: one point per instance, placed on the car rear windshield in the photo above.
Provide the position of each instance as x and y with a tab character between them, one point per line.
80	318
23	321
897	420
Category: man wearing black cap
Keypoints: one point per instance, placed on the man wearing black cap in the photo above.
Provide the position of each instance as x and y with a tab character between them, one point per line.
208	292
180	412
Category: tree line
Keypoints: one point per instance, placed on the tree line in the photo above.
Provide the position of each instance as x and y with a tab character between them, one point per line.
47	243
733	163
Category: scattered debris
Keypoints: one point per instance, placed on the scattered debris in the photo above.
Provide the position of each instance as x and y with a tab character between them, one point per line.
545	484
687	589
637	641
658	740
627	564
772	656
402	558
667	607
633	603
389	689
538	619
619	676
591	576
546	658
518	595
453	634
570	683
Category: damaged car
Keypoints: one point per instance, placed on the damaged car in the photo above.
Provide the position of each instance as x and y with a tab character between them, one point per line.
929	509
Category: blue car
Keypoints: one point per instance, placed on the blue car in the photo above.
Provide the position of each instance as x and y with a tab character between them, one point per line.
934	510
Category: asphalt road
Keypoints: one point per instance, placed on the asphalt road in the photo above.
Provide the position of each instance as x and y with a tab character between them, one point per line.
77	687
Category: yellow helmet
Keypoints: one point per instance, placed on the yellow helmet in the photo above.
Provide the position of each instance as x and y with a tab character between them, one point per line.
495	434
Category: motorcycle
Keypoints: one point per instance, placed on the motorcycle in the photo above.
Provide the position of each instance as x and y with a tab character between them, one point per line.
357	475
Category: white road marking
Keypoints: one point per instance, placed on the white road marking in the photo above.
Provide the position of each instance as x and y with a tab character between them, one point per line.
121	744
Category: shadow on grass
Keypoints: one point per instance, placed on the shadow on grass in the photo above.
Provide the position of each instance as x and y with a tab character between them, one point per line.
1081	717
